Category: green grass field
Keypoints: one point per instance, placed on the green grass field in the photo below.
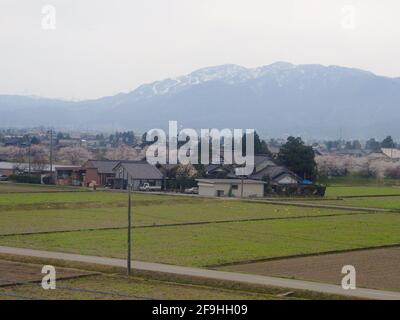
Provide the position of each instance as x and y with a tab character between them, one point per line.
224	243
339	191
6	187
283	230
392	203
357	181
196	211
43	212
62	197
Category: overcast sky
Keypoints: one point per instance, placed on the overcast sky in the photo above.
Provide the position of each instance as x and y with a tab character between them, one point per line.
102	47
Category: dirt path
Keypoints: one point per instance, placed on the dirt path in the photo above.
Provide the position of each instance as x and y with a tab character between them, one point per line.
375	268
210	274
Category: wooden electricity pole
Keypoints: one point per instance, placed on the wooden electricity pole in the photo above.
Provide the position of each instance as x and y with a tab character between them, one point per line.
241	191
29	158
129	229
51	152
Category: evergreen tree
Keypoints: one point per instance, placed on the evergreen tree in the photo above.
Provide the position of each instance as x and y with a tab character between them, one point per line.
299	158
260	146
373	145
388	143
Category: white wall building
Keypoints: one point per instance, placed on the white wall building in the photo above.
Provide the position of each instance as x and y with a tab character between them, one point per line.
230	188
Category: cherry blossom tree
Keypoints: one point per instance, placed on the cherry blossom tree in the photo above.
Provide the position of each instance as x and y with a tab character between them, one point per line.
74	155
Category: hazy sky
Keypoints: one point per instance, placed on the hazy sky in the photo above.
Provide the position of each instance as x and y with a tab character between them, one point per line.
102	47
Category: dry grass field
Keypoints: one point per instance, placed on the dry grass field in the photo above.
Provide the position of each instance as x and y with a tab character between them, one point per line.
376	268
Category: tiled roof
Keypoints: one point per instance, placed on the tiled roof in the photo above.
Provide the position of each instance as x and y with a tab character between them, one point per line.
142	170
229	181
103	166
272	173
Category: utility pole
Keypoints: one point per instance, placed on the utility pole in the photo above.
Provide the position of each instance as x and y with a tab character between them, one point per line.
29	157
51	151
241	191
129	229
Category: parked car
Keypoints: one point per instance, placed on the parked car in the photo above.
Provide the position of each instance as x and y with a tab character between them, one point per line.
3	178
193	190
148	187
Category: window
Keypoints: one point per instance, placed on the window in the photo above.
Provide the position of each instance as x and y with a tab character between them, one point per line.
235	187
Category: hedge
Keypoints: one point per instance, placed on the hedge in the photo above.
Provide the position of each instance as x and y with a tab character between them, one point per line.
25	179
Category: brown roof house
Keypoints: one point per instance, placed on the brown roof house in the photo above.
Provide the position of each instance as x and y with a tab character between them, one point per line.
99	171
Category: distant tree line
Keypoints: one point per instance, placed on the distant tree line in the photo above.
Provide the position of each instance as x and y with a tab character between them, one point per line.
371	144
128	138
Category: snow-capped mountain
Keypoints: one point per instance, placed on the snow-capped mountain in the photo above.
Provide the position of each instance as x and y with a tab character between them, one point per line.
282	72
277	99
229	74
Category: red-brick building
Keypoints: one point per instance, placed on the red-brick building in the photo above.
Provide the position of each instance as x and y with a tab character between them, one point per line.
99	171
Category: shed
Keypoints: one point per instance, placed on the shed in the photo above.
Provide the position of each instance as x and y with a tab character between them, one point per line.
230	188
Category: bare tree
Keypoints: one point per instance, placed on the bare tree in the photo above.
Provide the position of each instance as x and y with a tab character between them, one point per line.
74	155
336	165
185	174
393	172
18	156
123	152
39	157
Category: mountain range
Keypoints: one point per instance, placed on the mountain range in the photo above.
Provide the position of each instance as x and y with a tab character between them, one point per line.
276	100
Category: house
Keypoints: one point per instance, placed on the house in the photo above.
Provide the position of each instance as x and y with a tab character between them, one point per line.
276	175
357	153
217	170
13	141
230	188
267	170
274	150
7	168
11	168
70	176
110	173
99	171
62	143
391	153
262	161
136	173
318	150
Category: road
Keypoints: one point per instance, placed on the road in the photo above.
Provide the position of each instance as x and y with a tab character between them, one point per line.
210	274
